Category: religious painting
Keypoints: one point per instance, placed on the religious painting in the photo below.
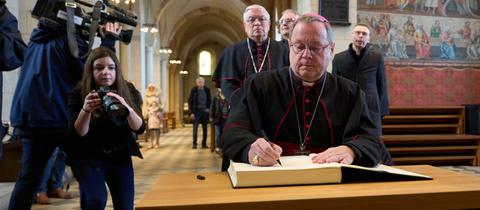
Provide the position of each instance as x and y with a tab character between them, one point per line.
434	31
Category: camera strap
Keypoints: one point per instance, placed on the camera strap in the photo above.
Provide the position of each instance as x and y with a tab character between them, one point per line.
72	40
71	30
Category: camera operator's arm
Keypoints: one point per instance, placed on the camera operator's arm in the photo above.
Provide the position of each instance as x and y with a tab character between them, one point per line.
11	43
92	102
134	120
110	32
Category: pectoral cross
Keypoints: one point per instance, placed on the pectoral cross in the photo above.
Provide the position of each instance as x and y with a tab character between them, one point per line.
302	150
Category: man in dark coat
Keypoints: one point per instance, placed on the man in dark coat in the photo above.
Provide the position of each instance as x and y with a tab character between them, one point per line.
361	64
11	52
255	54
39	111
303	109
198	108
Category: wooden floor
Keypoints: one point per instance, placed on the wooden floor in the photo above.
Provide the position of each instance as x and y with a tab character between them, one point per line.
175	155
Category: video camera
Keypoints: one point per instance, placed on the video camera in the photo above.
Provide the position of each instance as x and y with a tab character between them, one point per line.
115	110
53	13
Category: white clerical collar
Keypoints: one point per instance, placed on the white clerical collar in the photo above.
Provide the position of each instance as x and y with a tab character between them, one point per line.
309	84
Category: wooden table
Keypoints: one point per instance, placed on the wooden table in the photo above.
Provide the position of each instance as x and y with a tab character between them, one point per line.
448	190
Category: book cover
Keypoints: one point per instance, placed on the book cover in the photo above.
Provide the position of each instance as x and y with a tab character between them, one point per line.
300	170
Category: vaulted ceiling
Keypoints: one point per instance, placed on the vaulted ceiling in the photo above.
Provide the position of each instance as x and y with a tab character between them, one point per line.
185	25
189	26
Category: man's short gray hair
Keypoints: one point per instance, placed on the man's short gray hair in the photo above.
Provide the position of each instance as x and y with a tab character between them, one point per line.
255	7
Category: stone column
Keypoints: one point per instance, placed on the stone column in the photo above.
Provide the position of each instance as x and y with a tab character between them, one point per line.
149	64
126	61
164	81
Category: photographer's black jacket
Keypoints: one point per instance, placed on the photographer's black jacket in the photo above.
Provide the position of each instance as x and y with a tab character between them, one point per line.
103	135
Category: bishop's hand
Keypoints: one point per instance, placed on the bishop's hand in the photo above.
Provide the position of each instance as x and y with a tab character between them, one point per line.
340	154
264	153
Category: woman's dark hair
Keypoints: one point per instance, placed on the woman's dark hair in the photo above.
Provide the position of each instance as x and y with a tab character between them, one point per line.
87	83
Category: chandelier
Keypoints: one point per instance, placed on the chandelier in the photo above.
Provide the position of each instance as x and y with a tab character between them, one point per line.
126	1
165	50
149	27
174	61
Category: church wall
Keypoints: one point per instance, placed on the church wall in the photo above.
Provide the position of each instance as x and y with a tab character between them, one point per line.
439	55
418	81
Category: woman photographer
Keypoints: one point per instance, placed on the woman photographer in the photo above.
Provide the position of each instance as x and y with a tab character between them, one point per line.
105	145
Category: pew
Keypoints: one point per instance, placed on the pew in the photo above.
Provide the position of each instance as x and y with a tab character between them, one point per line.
169	120
430	135
173	119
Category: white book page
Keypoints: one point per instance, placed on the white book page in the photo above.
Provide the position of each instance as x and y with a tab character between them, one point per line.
288	163
398	171
305	162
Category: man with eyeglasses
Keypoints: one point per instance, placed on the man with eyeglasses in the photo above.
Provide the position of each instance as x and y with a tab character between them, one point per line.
285	23
303	109
254	54
361	64
257	53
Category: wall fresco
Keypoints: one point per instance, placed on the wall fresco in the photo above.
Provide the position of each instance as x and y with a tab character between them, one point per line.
428	30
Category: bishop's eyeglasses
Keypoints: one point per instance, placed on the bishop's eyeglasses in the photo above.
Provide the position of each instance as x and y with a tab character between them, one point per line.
299	48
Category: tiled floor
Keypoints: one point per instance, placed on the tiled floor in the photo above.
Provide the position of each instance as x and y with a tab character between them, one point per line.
174	156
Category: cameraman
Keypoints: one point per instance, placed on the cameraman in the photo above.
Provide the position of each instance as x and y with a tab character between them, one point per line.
11	52
39	107
107	140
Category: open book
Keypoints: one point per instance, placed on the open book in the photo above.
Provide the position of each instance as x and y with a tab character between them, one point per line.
300	170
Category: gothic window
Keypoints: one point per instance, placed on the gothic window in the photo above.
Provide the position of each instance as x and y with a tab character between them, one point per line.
205	63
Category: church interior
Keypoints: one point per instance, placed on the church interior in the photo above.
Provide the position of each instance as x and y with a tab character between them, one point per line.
431	59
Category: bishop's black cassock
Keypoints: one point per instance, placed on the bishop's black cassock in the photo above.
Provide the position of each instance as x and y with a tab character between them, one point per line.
236	64
341	118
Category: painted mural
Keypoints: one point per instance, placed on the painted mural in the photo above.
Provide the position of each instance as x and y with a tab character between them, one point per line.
435	31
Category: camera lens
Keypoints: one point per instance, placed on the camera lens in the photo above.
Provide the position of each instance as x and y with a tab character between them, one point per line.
116	111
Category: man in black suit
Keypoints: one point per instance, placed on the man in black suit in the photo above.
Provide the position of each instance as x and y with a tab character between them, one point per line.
361	64
198	106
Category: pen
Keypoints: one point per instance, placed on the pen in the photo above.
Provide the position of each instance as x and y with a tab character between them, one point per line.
264	135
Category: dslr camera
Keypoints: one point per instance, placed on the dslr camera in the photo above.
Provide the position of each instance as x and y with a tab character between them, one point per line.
53	14
115	110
